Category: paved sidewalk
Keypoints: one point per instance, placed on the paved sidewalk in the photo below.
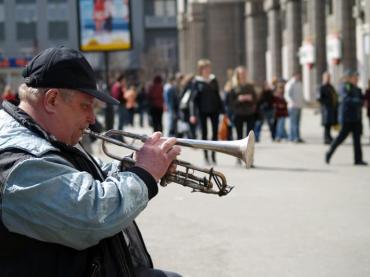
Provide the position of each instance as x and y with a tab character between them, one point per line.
292	215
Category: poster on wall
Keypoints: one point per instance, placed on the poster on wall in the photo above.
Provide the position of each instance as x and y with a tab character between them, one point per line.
104	25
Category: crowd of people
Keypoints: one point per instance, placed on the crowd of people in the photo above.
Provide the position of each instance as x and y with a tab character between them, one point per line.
193	102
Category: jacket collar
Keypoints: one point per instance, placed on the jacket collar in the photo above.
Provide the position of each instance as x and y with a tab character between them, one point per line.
202	79
27	121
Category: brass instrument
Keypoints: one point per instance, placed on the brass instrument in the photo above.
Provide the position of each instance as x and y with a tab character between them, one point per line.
242	149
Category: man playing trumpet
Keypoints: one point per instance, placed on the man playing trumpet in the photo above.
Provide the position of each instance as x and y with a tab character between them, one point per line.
62	212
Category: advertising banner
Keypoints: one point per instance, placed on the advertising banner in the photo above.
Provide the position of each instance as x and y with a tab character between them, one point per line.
104	25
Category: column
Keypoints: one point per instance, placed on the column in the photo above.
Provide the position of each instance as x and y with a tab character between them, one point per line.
317	35
346	24
256	43
196	38
274	39
183	37
293	35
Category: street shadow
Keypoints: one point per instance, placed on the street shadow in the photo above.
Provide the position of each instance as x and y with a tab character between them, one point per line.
292	169
278	168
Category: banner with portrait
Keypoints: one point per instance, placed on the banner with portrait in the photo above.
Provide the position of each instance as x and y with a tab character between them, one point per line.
104	25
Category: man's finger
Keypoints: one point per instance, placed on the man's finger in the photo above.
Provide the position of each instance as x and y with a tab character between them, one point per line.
168	144
174	152
154	138
172	168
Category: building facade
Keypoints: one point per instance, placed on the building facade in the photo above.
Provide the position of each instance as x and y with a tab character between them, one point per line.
277	38
28	26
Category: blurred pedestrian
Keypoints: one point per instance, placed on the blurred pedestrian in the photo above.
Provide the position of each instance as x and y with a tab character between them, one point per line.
118	92
10	95
243	100
328	99
294	96
130	105
171	104
184	126
206	103
155	102
280	112
142	104
229	112
265	111
367	103
350	116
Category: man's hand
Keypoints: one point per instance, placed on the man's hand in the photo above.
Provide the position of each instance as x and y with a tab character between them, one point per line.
157	154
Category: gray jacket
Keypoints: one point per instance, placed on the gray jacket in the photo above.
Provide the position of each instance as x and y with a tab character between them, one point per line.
44	197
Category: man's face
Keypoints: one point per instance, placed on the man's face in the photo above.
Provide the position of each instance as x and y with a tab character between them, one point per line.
73	116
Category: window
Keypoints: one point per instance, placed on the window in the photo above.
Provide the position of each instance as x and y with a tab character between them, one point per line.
26	21
165	7
167	48
25	1
26	31
2	21
2	31
57	16
58	30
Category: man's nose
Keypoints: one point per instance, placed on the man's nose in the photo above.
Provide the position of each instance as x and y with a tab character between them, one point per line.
91	117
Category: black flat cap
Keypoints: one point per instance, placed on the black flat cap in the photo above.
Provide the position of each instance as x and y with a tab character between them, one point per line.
62	67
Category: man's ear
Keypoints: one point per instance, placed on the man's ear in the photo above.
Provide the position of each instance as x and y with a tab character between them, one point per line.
50	100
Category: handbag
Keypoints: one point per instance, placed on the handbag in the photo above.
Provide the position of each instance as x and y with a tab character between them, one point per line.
185	100
223	128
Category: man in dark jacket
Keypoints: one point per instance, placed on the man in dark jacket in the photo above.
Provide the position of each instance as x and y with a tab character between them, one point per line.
328	99
350	116
62	212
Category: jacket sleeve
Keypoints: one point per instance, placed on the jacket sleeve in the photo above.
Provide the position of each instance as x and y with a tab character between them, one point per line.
288	92
220	102
193	108
48	200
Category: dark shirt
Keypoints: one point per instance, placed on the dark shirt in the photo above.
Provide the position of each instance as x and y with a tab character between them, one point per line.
206	96
350	109
243	107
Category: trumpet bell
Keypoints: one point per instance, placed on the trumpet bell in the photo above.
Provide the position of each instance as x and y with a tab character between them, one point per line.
242	149
247	149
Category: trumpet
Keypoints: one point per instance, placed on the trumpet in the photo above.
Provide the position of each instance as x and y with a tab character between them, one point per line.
213	182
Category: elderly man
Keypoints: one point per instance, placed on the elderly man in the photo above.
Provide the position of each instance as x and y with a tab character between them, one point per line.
62	212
